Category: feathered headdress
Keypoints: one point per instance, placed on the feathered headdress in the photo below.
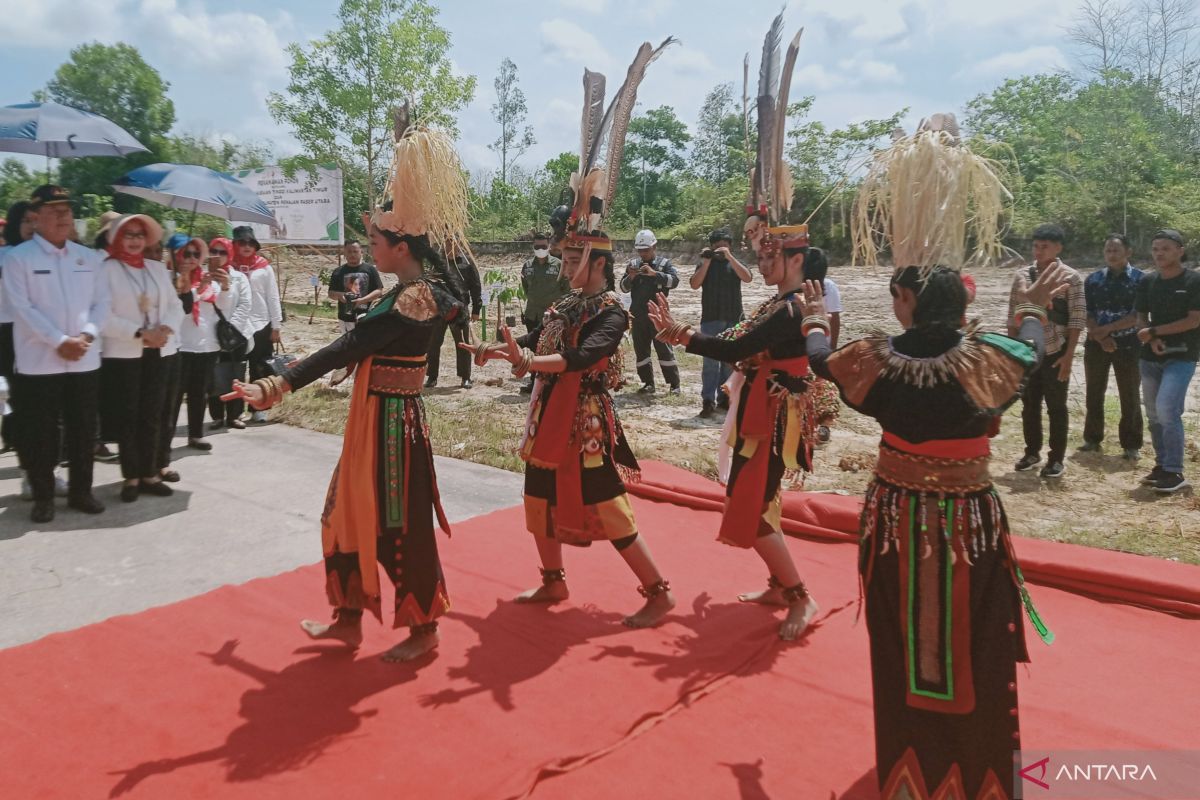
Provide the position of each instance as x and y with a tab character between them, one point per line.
770	197
426	188
929	197
602	141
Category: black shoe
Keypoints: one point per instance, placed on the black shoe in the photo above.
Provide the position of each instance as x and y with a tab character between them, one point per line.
170	476
466	384
430	383
723	401
1027	463
1152	478
156	488
647	388
129	493
87	503
217	425
1054	469
102	453
675	391
707	410
1171	482
199	444
527	388
1090	447
42	512
1132	453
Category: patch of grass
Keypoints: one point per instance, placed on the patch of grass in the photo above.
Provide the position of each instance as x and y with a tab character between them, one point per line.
1166	540
304	310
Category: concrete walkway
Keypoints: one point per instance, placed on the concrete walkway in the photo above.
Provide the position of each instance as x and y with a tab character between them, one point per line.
249	508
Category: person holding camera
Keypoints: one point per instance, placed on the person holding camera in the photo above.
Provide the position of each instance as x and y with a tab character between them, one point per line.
1066	320
719	277
645	277
1168	307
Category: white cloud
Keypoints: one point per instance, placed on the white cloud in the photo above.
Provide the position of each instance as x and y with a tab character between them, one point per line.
878	71
60	23
681	59
566	41
232	42
1041	58
812	78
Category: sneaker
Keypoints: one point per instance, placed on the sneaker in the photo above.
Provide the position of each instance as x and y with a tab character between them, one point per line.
1152	478
1027	463
647	388
823	434
1090	447
1171	482
237	425
675	391
258	416
467	384
60	486
707	410
1054	469
1131	454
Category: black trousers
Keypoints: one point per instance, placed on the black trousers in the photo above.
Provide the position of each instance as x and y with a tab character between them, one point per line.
46	400
227	369
1124	364
261	353
134	391
1045	387
195	378
459	331
170	413
643	336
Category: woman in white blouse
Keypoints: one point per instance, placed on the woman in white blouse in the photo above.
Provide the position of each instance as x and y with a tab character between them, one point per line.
230	366
198	344
266	313
138	342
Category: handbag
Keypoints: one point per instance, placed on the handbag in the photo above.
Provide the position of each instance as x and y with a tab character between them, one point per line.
280	360
229	338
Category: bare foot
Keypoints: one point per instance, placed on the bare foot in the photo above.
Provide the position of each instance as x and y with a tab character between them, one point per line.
554	592
652	612
772	596
800	615
339	630
415	646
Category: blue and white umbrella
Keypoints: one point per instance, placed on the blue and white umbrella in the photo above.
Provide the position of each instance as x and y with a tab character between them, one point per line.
58	131
197	189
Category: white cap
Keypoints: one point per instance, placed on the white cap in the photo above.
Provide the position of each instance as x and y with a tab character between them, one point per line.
644	240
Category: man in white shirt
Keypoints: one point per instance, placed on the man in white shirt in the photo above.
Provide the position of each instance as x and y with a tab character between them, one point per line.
58	296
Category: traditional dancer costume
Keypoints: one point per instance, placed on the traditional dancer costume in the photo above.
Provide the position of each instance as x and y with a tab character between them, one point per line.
383	495
943	589
577	458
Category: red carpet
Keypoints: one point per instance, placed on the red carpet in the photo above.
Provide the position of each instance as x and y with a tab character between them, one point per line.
220	696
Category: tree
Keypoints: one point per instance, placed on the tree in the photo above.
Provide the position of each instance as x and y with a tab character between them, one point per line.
114	82
649	185
219	154
16	183
344	86
718	150
1101	29
509	111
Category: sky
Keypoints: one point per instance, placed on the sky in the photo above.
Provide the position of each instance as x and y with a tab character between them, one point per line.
859	58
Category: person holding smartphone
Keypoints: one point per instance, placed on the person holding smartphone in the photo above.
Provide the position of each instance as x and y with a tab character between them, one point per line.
1168	307
719	277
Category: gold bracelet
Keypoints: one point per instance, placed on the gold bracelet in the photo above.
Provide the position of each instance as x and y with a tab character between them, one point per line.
673	334
814	321
272	389
522	367
1024	310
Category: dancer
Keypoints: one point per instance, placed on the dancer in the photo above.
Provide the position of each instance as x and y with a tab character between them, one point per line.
576	455
383	495
943	589
772	421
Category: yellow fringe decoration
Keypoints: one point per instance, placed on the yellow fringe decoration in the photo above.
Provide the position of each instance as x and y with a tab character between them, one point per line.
926	197
427	187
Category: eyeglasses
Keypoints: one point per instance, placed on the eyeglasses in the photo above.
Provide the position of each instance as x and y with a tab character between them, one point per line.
133	234
191	253
217	251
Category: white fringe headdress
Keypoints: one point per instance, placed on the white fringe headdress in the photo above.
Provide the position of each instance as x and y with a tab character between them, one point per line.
930	198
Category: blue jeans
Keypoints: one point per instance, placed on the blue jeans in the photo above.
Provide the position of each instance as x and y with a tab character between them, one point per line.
714	373
1164	389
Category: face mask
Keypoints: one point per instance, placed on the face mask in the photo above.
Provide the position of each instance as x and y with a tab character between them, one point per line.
541	252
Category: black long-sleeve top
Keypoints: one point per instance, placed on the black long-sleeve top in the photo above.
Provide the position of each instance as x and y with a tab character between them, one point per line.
778	335
390	333
643	288
947	409
599	338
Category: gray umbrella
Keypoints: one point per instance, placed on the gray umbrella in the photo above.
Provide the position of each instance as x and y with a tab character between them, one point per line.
58	131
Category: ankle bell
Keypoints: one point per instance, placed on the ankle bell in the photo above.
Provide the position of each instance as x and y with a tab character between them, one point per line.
654	589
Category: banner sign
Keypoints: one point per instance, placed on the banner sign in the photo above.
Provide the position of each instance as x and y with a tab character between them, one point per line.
307	206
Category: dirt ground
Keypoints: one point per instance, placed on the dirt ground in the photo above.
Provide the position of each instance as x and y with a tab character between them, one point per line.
1099	501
